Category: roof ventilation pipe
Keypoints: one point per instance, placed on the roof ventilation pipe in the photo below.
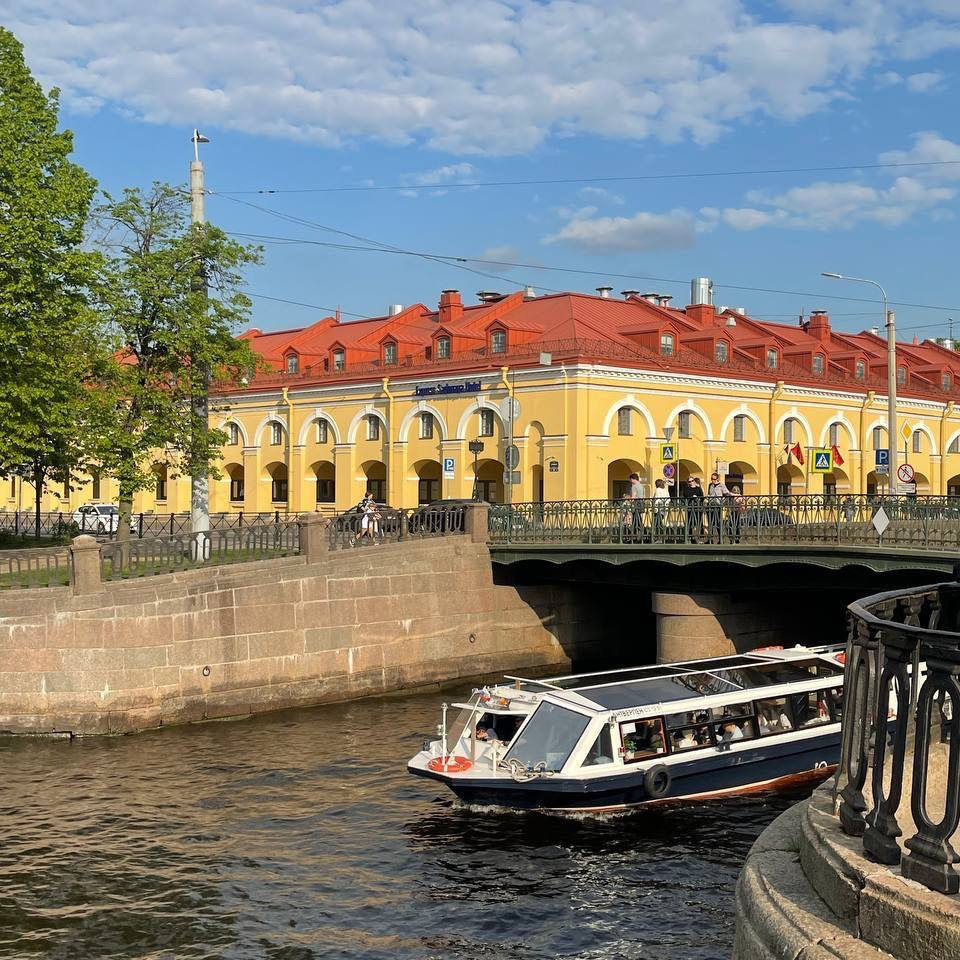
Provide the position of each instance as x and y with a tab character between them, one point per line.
627	294
665	300
489	296
529	292
394	309
741	310
875	331
701	290
946	343
653	298
604	292
731	321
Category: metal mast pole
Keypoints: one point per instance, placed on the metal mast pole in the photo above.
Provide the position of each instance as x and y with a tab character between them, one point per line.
199	481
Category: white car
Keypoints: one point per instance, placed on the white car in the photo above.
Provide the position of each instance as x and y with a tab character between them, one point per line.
97	518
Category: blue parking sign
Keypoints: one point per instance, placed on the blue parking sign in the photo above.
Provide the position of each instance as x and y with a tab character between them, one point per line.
883	458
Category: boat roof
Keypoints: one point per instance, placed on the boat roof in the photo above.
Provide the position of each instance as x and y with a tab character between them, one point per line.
665	683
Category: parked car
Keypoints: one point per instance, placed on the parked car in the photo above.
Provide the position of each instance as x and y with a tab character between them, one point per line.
97	518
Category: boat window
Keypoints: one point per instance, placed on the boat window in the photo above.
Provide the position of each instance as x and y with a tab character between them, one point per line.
587	681
642	739
835	703
772	716
689	730
602	749
769	674
497	726
809	709
734	721
549	737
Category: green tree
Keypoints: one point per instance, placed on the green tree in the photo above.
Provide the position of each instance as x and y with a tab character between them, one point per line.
171	303
46	327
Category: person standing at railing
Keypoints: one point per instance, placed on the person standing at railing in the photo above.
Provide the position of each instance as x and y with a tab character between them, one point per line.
694	497
717	493
738	507
631	513
661	503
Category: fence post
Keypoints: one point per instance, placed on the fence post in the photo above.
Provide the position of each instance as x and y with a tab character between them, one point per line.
314	542
476	522
85	568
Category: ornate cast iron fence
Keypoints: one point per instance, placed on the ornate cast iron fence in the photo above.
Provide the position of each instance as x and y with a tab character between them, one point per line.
390	524
121	560
901	683
929	523
43	567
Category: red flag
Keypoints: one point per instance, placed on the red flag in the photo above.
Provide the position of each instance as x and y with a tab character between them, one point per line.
797	451
837	459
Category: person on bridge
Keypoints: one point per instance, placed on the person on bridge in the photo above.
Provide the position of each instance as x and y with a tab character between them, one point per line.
661	502
717	493
694	496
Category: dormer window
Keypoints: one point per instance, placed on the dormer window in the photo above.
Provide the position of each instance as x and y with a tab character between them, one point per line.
339	359
721	351
498	341
666	344
945	381
293	363
861	370
389	353
818	363
773	360
901	376
276	434
443	348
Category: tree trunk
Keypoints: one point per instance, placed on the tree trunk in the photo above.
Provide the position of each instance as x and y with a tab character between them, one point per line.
126	512
37	497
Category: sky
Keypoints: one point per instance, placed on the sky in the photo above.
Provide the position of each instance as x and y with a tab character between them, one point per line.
699	135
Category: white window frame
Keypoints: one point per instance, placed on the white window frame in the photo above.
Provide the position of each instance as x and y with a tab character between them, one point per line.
667	344
773	359
443	348
721	351
276	434
739	428
323	431
389	354
683	425
498	341
426	426
373	426
486	423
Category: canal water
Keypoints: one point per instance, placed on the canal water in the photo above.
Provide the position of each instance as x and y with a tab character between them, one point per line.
300	835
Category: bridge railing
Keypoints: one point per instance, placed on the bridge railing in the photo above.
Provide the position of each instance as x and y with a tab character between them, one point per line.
921	522
902	689
390	525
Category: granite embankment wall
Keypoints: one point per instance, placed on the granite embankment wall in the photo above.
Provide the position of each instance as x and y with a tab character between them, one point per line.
252	637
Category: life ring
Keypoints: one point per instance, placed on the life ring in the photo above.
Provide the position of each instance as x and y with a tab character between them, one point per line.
656	781
451	764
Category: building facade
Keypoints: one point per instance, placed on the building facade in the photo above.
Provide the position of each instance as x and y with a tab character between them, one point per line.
392	404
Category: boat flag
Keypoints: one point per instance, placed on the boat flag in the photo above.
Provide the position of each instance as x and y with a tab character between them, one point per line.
837	459
797	451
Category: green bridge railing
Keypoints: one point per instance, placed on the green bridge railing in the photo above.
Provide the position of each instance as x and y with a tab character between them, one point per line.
925	523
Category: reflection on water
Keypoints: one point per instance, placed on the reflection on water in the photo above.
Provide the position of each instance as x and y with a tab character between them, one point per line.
302	836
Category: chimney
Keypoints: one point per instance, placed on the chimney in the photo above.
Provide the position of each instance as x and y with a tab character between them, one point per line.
451	306
819	325
731	321
627	294
394	309
701	301
604	292
653	298
875	331
489	296
529	292
665	300
741	310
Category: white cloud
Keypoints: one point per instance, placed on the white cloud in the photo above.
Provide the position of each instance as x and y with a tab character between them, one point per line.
463	76
642	231
924	82
929	147
601	195
503	253
451	172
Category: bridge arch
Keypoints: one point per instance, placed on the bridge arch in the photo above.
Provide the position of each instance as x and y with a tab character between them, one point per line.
633	404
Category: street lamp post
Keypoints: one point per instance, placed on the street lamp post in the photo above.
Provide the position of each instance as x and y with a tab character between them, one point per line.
475	447
889	321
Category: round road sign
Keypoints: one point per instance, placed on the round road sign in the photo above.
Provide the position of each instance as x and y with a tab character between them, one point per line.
669	470
905	473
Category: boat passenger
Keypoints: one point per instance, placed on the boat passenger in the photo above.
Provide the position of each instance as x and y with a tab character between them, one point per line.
732	732
684	740
486	731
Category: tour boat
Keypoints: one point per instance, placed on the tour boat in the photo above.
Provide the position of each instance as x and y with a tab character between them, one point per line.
645	735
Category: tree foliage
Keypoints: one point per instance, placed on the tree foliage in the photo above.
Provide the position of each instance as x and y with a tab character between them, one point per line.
46	327
170	303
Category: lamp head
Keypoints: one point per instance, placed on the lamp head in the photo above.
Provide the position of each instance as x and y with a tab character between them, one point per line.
833	276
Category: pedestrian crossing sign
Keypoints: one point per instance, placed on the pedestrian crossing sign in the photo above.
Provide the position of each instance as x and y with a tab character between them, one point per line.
823	461
668	452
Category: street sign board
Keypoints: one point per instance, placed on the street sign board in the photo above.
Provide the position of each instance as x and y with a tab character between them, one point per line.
905	473
668	452
669	470
449	468
510	408
822	461
882	457
880	521
554	466
511	477
512	457
882	470
906	431
907	489
723	467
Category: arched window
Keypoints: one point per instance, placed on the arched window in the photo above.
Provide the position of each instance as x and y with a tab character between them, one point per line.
160	490
95	487
739	428
954	445
834	434
683	425
917	441
373	427
276	434
818	363
789	434
233	434
498	341
666	344
721	351
426	426
624	422
861	369
293	363
443	348
323	431
389	353
486	423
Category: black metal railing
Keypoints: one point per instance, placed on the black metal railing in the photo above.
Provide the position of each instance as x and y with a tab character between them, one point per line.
121	560
43	567
389	524
931	523
902	689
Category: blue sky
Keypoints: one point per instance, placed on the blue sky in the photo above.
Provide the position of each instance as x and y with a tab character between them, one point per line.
296	94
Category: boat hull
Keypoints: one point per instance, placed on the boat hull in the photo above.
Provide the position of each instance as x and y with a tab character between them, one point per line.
760	767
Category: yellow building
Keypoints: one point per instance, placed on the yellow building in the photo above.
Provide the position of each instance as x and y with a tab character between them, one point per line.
596	382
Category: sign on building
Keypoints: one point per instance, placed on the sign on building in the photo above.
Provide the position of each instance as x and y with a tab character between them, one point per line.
882	462
554	466
822	460
449	468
